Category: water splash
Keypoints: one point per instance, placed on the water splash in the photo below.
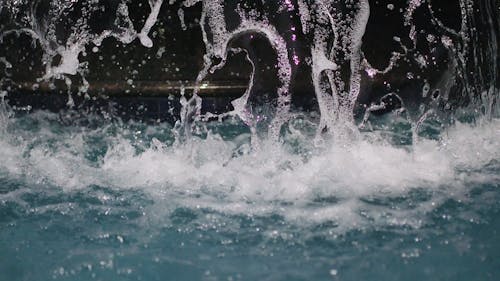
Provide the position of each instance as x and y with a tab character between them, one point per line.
362	185
316	195
150	21
334	31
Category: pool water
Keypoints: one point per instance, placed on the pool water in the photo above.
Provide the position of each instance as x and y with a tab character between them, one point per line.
95	198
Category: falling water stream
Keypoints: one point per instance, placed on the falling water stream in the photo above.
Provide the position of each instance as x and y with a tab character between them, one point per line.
272	194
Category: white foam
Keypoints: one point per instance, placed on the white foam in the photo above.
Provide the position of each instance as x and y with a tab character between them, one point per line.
270	179
236	177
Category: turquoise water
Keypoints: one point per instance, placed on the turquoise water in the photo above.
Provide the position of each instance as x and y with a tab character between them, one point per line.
94	198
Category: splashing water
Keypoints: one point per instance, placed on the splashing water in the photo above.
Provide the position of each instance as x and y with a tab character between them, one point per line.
309	196
260	181
335	31
118	194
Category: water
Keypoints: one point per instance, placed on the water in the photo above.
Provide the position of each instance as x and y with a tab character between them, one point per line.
259	192
93	199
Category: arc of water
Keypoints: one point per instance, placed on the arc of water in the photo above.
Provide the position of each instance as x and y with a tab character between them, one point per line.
217	48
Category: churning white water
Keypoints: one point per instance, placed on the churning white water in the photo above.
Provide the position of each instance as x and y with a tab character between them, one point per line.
394	175
305	183
288	174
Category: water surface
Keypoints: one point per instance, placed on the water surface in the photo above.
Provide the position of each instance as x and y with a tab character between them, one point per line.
89	198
